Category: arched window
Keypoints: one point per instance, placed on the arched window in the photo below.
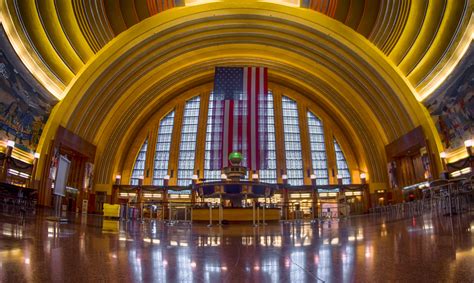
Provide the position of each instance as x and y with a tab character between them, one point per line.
139	167
187	147
162	150
294	158
269	175
318	149
211	175
342	168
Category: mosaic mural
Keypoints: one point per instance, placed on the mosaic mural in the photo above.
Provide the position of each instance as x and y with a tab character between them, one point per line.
452	105
23	110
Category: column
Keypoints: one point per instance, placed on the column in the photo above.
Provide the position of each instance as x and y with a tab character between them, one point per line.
6	161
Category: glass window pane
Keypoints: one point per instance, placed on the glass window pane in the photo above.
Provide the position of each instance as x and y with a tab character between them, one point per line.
342	168
212	133
318	149
269	175
162	150
139	167
294	158
187	146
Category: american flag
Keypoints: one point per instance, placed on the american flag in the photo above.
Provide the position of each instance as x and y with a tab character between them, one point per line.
239	117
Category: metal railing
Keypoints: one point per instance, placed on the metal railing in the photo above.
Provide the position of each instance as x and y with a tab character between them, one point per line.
170	212
444	197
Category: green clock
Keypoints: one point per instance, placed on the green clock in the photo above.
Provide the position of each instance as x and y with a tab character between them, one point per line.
235	158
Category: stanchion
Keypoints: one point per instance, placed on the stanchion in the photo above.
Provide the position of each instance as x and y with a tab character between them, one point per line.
264	223
210	215
282	214
285	212
151	213
221	213
253	213
258	215
126	212
169	214
122	212
313	215
141	212
191	216
163	213
185	214
157	214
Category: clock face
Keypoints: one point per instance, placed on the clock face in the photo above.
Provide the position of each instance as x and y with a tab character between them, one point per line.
235	158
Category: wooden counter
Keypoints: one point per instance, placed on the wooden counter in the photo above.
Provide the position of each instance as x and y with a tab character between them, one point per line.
235	214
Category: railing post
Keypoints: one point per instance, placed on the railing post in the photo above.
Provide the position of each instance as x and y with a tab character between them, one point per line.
220	210
160	209
185	213
169	213
126	212
191	215
210	215
253	213
258	215
221	215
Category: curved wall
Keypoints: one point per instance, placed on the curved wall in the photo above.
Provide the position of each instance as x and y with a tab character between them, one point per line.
169	53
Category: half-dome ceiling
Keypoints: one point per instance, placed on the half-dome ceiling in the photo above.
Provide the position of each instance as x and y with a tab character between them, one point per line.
424	38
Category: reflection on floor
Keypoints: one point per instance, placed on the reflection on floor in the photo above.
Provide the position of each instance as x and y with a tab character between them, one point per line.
361	249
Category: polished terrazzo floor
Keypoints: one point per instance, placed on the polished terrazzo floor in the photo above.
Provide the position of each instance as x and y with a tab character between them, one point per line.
429	248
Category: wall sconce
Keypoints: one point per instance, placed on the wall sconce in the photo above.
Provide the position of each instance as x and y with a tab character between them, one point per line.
339	179
10	143
255	176
284	178
36	155
195	177
140	180
363	178
117	179
468	145
223	176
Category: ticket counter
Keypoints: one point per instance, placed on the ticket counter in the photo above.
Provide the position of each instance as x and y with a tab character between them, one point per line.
235	214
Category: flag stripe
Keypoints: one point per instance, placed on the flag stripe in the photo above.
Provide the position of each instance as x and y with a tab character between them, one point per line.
231	130
225	134
261	116
249	102
244	121
256	118
235	126
239	125
264	145
250	117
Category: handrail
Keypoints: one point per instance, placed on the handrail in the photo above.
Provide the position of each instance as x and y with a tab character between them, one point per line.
309	188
